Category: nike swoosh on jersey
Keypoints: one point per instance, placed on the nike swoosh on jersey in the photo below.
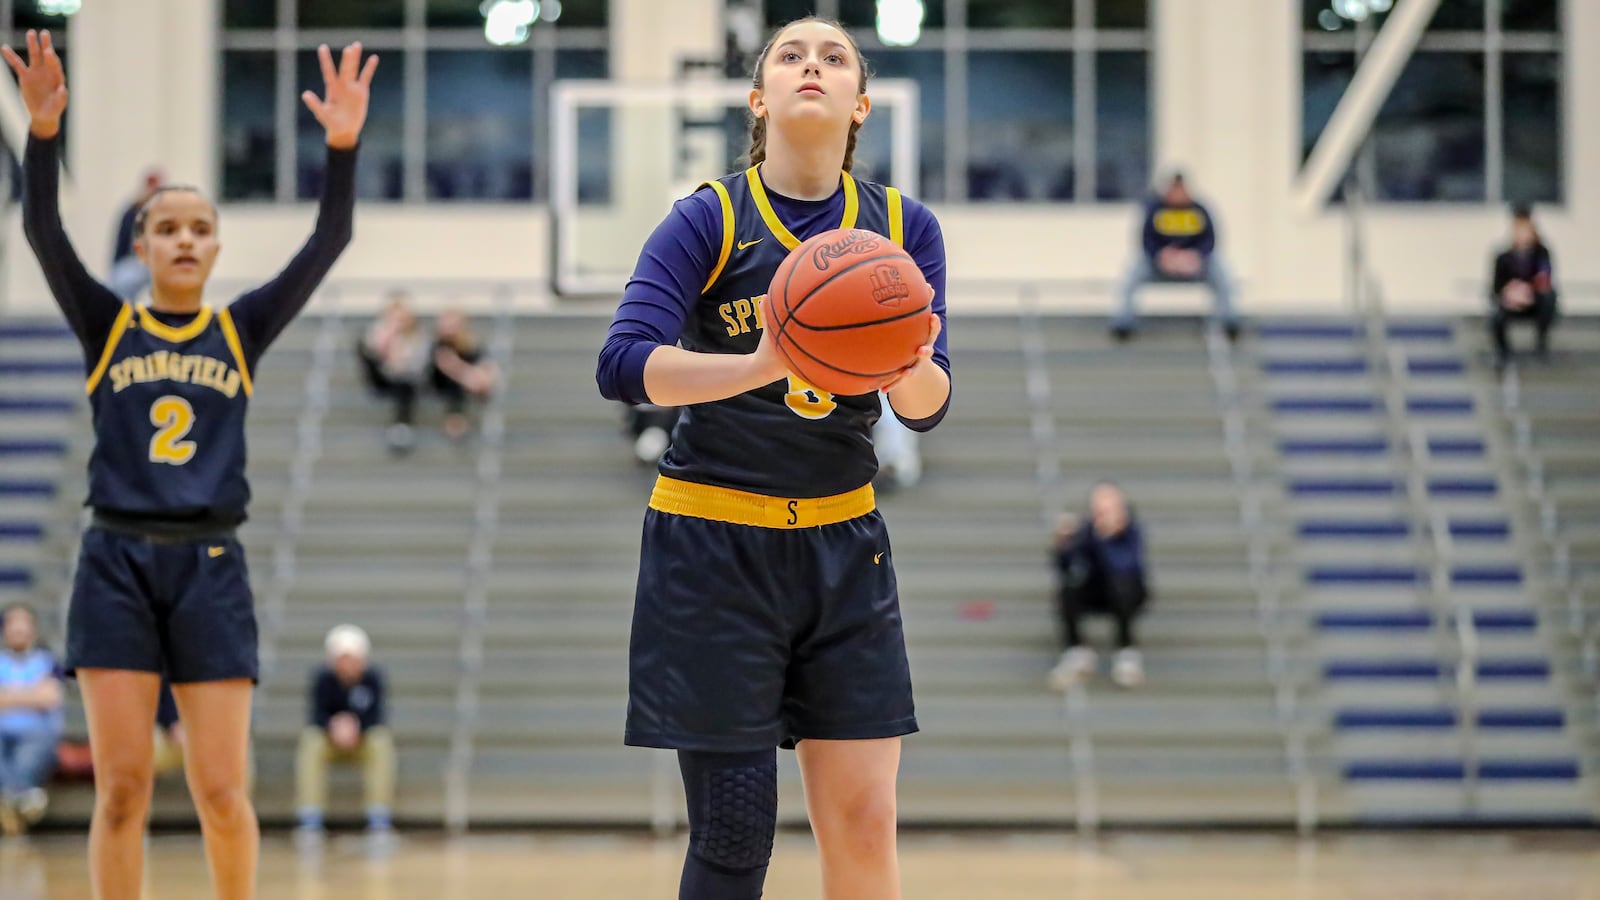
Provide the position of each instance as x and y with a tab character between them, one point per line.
744	244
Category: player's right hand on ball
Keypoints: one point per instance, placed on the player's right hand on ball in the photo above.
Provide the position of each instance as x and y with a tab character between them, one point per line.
41	81
768	361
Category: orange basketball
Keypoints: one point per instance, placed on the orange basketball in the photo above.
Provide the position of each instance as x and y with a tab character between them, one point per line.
848	309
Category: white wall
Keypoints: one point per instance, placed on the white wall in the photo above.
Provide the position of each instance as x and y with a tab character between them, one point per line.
1225	81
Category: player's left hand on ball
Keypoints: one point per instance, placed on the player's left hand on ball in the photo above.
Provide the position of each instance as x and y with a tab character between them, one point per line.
924	354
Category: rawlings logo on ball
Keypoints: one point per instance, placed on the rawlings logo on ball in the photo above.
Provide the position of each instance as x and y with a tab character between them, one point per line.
888	288
852	244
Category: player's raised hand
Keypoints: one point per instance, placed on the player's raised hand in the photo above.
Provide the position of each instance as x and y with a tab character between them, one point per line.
343	109
42	82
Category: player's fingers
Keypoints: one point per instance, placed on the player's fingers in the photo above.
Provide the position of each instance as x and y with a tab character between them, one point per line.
325	59
350	61
313	103
14	61
46	45
367	70
33	47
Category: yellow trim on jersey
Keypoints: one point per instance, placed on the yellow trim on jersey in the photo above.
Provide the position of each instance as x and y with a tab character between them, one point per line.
704	501
727	232
758	193
175	335
231	335
897	225
112	339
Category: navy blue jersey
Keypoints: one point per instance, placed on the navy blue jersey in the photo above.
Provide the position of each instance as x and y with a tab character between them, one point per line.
788	438
169	406
169	390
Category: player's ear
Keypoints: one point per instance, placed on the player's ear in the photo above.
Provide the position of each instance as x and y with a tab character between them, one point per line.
758	103
141	250
863	109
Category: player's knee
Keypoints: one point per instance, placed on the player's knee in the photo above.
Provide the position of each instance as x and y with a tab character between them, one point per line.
122	797
222	804
733	810
865	823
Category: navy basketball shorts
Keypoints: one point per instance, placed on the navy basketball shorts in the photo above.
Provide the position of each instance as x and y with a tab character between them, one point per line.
761	621
160	605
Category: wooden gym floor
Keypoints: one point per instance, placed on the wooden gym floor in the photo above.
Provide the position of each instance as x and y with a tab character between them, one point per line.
1162	866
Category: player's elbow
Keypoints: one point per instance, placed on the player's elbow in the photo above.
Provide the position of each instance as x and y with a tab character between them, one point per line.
619	371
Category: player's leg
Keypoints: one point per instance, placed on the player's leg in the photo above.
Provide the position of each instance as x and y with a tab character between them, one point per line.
216	757
114	647
850	798
210	636
119	705
848	700
733	815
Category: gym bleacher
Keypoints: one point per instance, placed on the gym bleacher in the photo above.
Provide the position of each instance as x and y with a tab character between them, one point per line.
1373	567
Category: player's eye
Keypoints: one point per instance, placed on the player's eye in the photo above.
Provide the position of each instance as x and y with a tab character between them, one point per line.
835	58
789	56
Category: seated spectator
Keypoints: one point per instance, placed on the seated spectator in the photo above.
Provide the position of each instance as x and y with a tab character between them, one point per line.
128	273
460	370
651	429
30	721
1099	568
1179	244
1522	288
899	457
394	355
168	737
347	724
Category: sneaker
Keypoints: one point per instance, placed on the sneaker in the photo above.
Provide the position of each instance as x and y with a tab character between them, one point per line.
1122	333
1075	665
1127	668
650	444
400	437
1231	329
31	805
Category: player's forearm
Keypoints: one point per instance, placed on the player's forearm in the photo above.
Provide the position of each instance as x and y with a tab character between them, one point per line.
674	376
922	393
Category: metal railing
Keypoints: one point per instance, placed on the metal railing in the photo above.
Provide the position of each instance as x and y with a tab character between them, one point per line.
302	471
480	568
1076	704
1281	676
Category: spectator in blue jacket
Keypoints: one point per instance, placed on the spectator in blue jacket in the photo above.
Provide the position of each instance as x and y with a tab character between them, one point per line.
30	720
1179	243
1100	568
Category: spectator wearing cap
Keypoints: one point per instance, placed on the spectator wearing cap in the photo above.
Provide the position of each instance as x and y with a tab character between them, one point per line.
347	725
1178	243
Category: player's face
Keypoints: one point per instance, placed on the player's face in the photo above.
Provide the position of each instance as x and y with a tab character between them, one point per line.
811	74
19	631
179	244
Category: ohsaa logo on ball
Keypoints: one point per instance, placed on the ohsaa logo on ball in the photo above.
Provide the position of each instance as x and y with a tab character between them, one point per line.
855	242
888	288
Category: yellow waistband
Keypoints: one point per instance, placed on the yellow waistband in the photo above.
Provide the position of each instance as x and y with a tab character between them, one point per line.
704	501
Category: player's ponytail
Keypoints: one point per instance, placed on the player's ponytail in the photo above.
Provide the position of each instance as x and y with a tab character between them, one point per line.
757	154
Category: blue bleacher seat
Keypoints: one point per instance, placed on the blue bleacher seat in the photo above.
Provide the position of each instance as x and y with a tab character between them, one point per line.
1354	446
1325	405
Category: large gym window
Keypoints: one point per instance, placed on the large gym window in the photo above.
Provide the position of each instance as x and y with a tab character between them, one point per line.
1475	115
458	111
1022	100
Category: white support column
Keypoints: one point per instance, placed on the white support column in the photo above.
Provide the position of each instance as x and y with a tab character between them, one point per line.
1352	118
143	81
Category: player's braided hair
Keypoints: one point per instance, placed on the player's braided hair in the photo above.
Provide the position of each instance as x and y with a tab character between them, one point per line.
144	208
758	126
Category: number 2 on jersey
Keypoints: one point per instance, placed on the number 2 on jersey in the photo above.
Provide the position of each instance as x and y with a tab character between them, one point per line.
808	402
173	417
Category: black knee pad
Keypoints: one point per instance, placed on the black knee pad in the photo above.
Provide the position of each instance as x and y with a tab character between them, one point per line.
733	807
